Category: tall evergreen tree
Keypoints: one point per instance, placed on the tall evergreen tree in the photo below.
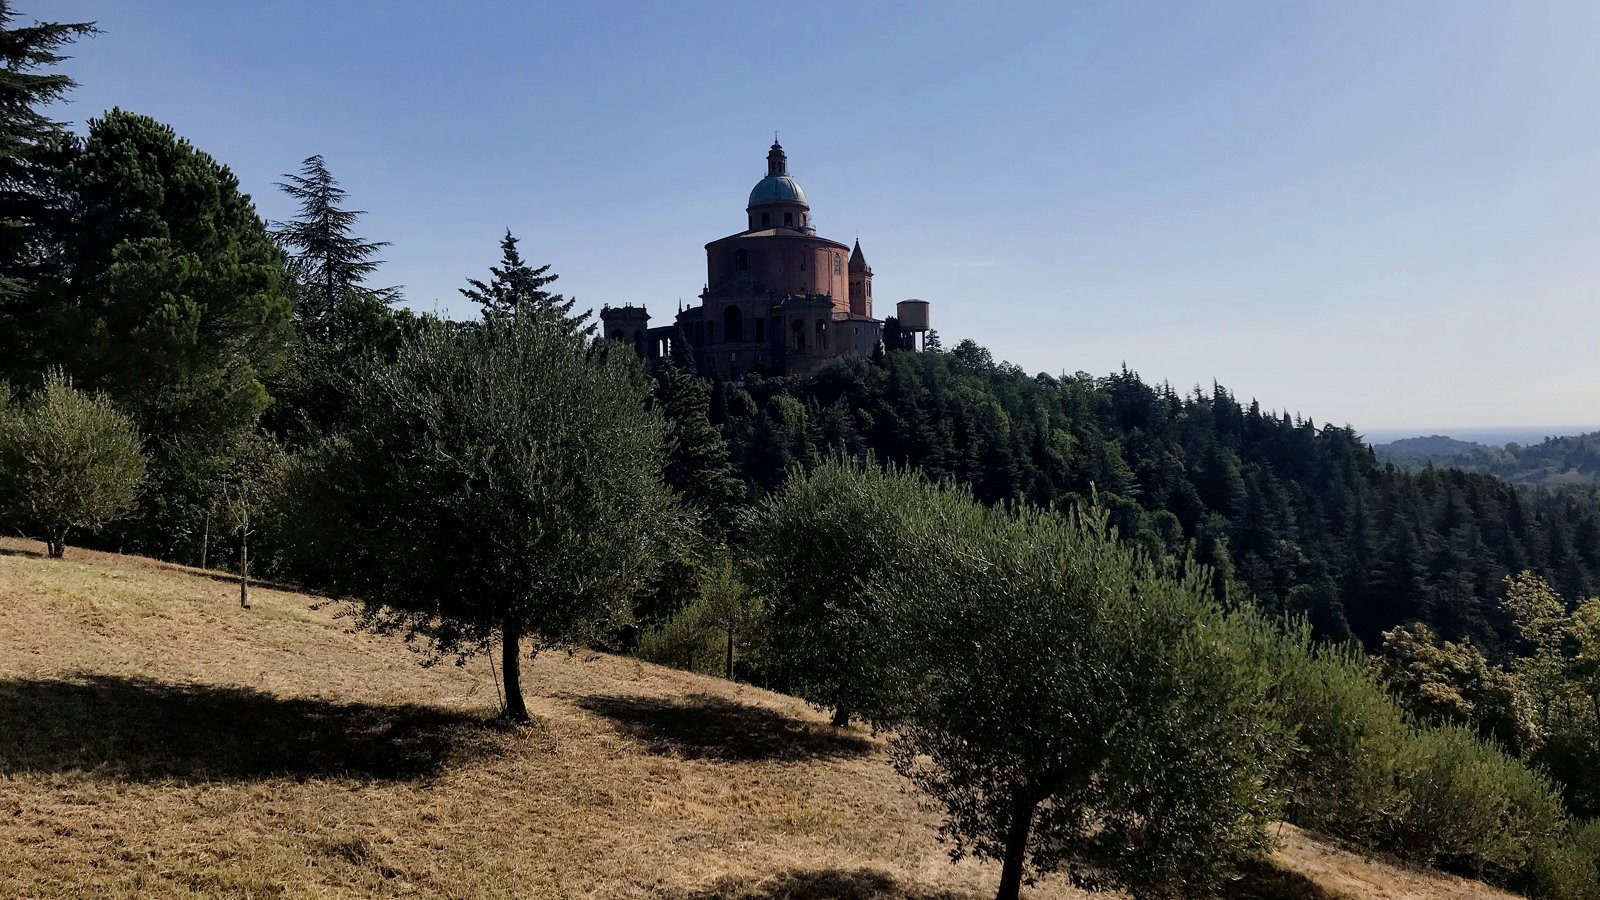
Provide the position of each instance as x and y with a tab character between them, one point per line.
328	261
33	150
339	318
697	463
514	283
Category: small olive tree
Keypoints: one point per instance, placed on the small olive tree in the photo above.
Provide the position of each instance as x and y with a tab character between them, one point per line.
503	481
719	626
815	546
1071	703
68	460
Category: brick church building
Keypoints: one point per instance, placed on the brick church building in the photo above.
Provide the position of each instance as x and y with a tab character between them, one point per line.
779	298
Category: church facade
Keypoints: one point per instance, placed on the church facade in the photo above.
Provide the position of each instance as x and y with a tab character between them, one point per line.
779	298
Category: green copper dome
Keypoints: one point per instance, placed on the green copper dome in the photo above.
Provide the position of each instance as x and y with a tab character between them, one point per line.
777	189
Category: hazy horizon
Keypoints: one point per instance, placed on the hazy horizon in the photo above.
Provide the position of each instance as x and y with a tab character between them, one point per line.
1491	435
1361	213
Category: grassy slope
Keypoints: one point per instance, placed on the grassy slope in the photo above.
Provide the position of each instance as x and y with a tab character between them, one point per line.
156	740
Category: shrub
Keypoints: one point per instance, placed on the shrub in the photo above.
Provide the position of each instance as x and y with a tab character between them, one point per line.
1568	869
1341	776
1472	808
717	633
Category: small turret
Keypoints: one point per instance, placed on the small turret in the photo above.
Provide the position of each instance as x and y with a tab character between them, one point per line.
860	283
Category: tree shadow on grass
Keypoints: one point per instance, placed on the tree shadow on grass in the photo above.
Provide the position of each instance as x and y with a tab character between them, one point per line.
822	884
140	729
1264	881
1261	882
18	551
708	727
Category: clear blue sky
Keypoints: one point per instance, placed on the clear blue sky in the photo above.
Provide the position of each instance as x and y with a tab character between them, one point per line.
1380	213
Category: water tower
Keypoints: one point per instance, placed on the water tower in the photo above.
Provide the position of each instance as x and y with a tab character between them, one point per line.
913	316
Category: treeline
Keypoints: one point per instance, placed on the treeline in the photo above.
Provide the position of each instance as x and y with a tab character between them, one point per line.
1300	517
1570	459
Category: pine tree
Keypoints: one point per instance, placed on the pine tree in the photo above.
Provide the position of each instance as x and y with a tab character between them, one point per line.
697	465
340	320
330	264
33	150
182	311
514	283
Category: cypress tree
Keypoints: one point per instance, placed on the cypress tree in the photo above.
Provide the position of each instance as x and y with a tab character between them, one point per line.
697	462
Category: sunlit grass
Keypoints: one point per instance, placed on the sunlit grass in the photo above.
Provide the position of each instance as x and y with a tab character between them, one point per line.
157	740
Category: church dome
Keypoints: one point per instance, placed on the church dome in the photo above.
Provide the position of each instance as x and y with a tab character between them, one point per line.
777	189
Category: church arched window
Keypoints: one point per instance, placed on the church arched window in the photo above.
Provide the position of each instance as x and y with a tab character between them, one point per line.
822	335
836	264
788	218
766	219
741	260
732	325
799	335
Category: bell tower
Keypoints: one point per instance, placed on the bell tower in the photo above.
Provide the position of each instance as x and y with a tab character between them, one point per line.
860	283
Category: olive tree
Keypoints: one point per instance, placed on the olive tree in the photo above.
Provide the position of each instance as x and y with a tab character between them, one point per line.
815	546
1071	703
68	460
501	482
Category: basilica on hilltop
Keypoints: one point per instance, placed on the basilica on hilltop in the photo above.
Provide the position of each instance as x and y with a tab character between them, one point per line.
779	299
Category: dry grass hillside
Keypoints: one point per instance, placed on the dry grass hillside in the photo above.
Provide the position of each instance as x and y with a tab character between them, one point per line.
158	741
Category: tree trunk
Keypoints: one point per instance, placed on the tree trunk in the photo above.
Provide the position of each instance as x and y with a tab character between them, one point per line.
730	654
56	547
244	565
511	662
1016	850
841	716
205	540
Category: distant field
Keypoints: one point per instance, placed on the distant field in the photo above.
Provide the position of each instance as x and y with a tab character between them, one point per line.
158	741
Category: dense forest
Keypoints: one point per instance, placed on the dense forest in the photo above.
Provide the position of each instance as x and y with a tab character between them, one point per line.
1572	459
1301	517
